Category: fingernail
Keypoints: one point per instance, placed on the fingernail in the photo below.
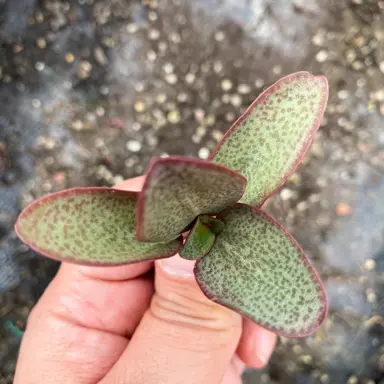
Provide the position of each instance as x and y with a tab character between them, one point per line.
177	267
265	346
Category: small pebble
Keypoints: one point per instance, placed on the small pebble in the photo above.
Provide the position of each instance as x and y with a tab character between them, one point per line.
36	103
41	43
69	58
171	78
199	114
100	56
59	178
343	209
219	36
217	66
302	206
210	120
168	68
286	194
201	131
39	66
173	116
352	380
343	94
153	34
229	116
175	37
136	126
259	83
297	349
100	111
244	89
152	16
371	296
17	48
77	125
84	69
132	28
321	56
226	85
139	106
133	146
324	378
226	98
182	97
369	264
161	98
47	186
39	17
190	78
306	359
217	135
381	66
236	100
277	69
203	153
318	39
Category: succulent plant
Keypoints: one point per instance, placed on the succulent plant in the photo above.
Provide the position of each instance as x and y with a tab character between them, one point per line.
245	260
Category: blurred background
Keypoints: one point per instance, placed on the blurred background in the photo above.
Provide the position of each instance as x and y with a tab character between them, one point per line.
90	90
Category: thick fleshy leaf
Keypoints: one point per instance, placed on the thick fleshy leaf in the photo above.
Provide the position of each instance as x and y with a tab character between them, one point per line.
199	241
213	223
268	141
256	268
88	226
177	190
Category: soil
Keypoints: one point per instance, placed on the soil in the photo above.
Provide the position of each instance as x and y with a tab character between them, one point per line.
91	90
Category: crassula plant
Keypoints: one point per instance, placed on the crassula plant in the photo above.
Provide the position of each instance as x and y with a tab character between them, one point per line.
245	259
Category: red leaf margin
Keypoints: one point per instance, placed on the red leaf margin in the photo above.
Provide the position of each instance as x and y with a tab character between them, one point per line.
306	145
316	278
204	164
73	192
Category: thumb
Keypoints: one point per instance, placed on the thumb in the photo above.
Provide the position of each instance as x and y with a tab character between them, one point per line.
183	337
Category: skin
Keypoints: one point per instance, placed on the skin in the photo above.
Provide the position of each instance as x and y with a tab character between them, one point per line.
143	323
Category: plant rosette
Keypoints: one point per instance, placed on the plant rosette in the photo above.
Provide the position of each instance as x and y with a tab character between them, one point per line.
245	259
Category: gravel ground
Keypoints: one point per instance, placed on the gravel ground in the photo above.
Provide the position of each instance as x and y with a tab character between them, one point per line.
91	90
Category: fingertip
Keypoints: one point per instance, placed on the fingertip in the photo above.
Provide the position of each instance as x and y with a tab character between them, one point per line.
256	345
135	184
176	267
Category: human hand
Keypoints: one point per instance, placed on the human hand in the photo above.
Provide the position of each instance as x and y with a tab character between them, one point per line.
129	325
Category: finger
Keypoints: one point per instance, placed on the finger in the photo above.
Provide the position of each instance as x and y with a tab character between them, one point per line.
135	184
80	327
256	345
234	371
107	305
183	337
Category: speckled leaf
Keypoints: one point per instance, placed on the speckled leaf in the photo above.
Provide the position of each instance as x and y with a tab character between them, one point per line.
88	226
215	224
256	268
177	190
199	241
268	141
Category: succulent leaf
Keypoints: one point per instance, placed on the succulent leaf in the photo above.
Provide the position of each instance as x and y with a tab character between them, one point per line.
94	226
268	141
215	225
256	268
199	241
177	190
